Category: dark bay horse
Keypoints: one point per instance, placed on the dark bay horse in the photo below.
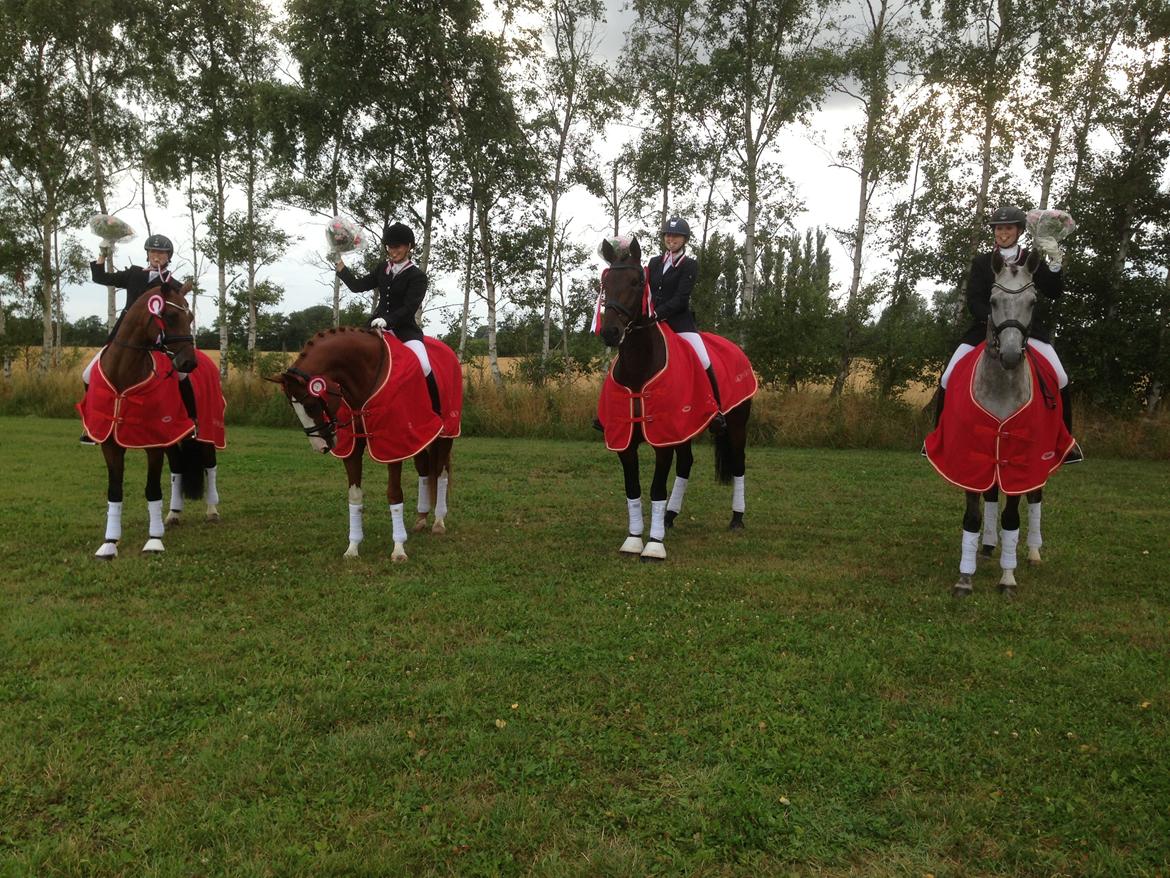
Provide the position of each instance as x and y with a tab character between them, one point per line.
1013	400
135	380
329	387
642	354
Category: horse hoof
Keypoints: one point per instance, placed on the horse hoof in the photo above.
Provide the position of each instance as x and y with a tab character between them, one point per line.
352	551
399	554
420	524
107	551
736	521
439	527
154	546
654	551
1034	557
670	517
212	518
632	546
173	518
1008	591
986	552
959	590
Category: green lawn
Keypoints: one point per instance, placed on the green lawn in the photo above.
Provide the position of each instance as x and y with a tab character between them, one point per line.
803	698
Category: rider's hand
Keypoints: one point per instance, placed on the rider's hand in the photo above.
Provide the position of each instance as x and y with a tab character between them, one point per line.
1053	254
378	323
103	252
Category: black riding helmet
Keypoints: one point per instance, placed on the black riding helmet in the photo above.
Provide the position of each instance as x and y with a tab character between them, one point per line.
160	242
397	233
1008	215
676	226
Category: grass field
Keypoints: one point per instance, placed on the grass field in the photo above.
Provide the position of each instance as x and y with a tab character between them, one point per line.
803	698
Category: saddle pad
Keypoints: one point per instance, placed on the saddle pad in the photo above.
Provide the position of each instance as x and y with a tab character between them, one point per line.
973	449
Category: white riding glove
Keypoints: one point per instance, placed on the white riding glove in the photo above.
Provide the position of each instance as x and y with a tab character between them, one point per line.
1053	254
378	323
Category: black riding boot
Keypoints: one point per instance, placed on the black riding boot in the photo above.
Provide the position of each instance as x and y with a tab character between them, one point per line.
85	440
433	389
1074	454
718	423
940	395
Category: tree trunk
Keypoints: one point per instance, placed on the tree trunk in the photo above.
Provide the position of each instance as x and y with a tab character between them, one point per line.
469	263
221	269
489	283
251	190
48	222
1050	163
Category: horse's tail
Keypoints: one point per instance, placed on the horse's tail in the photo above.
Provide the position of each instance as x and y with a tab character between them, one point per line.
191	468
724	464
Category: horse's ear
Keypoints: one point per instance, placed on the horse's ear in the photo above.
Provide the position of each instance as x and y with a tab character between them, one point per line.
635	249
996	262
187	287
606	251
275	379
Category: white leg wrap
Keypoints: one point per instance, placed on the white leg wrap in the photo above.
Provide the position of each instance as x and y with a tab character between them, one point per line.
1007	549
154	509
441	498
634	508
970	547
212	494
737	494
356	534
1035	540
113	521
990	523
177	492
398	525
658	520
424	496
677	494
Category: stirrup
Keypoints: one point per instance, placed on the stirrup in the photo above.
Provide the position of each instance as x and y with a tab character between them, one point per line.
1074	455
85	440
598	426
718	424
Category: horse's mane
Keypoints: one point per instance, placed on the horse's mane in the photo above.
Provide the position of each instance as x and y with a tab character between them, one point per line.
326	334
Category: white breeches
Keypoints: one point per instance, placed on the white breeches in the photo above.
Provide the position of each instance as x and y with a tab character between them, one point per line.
696	341
85	373
1043	348
420	350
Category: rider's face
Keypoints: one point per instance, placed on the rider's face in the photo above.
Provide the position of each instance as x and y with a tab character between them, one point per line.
674	243
157	258
397	252
1006	235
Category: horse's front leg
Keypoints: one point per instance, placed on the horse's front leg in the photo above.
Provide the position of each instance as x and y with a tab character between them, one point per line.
1035	540
990	521
1009	539
398	524
682	474
964	586
422	468
115	457
655	550
440	478
175	465
629	458
154	501
210	471
353	475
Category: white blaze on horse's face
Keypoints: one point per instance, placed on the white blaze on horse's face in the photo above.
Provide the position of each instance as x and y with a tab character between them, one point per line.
1011	307
317	442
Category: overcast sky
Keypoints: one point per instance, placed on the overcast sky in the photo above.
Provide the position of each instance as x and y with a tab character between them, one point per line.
828	194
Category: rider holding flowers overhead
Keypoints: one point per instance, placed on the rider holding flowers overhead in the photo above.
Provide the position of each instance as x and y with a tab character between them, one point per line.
401	287
672	279
1007	224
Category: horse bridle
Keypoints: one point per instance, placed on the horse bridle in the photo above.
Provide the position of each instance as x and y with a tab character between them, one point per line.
327	430
163	338
997	328
632	324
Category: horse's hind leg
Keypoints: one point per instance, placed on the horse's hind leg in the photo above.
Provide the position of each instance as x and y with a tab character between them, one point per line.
441	480
115	457
210	471
990	521
682	474
1035	540
353	475
731	460
655	550
964	586
154	501
397	523
633	544
1009	540
422	467
175	464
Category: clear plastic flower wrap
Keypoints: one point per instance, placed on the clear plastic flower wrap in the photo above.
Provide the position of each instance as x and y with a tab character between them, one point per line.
341	236
110	229
1050	223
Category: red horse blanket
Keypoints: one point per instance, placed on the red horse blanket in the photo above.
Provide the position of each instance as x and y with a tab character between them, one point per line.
973	449
148	415
397	421
209	402
676	404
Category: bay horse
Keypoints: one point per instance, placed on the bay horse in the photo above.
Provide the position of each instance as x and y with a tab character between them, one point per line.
1010	439
331	386
642	355
134	402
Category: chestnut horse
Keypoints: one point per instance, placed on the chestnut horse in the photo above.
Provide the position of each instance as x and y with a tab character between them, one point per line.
641	354
158	321
329	386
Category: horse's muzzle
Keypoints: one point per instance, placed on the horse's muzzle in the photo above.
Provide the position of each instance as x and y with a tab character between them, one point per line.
611	335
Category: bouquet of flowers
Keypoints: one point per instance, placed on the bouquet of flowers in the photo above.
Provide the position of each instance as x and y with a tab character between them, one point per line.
341	236
1050	223
110	229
